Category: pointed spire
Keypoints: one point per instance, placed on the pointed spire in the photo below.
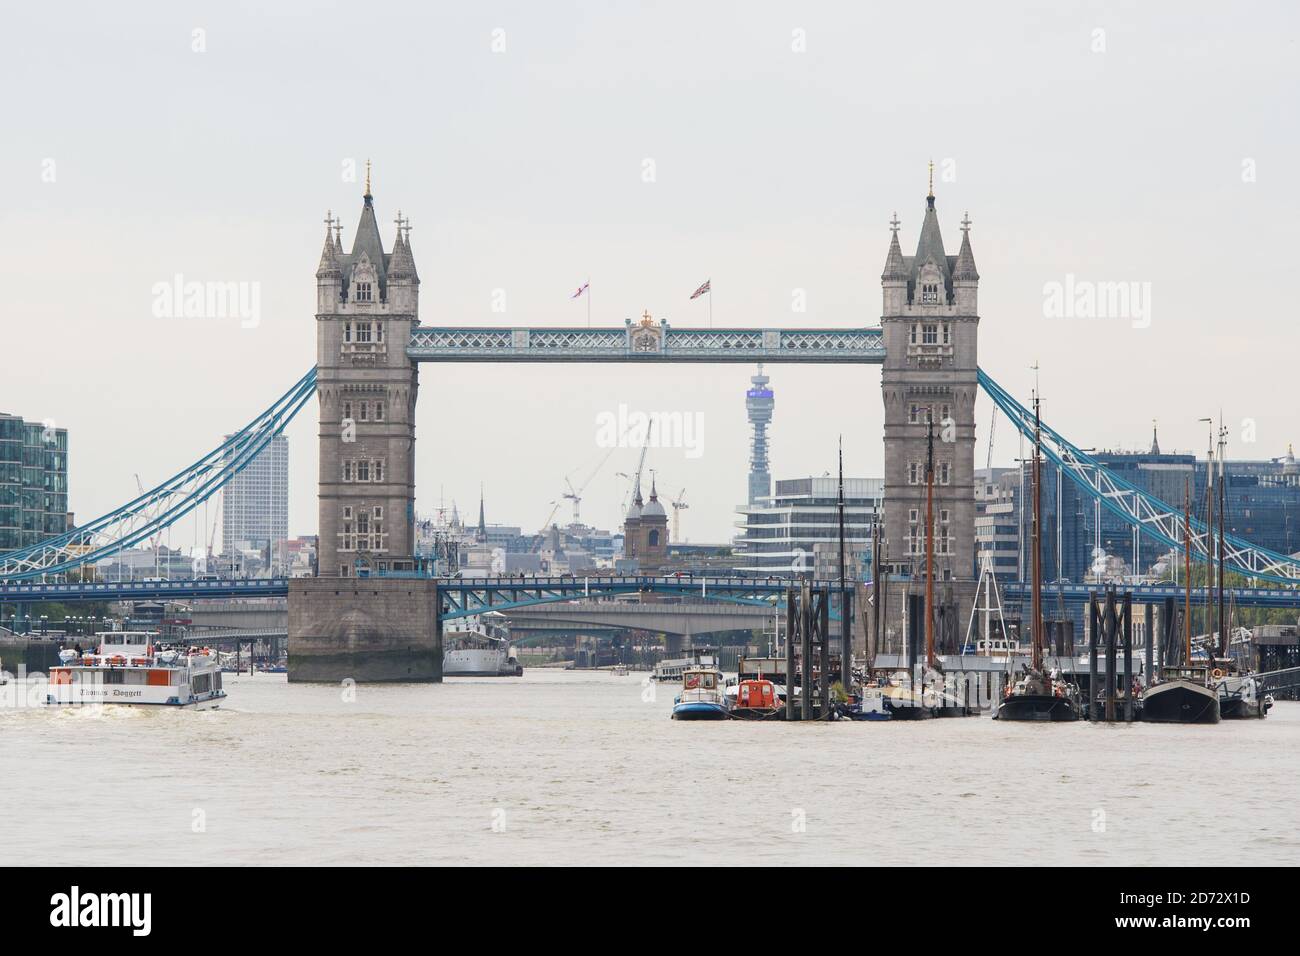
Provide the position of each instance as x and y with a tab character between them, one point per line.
929	247
402	263
929	195
368	241
895	266
481	533
367	195
1155	441
329	263
965	258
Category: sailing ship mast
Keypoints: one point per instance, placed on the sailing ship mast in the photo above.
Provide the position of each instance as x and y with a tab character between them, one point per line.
1223	497
1187	557
929	542
1037	584
1209	532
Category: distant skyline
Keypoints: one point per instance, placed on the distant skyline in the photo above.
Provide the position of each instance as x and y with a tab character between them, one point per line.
782	139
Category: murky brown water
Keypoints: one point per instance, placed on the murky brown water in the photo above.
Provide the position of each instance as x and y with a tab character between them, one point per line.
565	768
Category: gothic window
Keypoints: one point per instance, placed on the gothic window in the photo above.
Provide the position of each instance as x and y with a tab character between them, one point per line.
363	331
378	470
943	516
363	523
347	410
347	331
930	293
912	339
379	512
944	472
945	413
363	292
343	570
347	512
654	538
365	410
914	473
913	515
379	411
363	470
947	334
347	475
379	331
914	414
930	335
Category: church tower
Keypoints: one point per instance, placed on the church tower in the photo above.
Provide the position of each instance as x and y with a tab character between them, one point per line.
367	301
930	320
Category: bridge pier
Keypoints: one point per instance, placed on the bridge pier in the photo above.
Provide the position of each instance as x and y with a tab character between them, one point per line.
364	629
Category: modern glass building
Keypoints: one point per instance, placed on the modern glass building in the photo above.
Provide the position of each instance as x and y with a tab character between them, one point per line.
33	482
780	533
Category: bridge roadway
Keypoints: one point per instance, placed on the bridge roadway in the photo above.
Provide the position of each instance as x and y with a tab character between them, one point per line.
465	597
686	620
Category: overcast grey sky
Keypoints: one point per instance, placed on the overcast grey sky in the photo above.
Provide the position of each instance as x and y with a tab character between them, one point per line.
1160	150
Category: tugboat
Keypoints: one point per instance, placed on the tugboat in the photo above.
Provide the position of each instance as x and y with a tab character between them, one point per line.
1037	694
1184	694
702	696
127	669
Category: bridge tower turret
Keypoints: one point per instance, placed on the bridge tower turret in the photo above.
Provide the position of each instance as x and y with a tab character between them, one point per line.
930	323
367	304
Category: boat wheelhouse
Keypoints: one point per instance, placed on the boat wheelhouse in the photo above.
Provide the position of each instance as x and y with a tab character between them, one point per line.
702	696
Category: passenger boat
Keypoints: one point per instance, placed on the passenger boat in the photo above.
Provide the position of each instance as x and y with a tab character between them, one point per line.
479	648
127	669
702	696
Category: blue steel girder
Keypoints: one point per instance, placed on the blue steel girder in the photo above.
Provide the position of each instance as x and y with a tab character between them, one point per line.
156	509
1139	509
646	343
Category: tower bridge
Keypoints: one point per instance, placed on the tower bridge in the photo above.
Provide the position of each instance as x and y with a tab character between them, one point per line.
370	345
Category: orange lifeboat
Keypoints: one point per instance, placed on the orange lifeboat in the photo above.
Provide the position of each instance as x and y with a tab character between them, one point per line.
756	699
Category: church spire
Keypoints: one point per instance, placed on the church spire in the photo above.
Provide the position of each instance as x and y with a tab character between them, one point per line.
481	533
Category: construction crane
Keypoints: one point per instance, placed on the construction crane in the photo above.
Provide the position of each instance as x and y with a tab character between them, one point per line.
575	494
679	505
546	526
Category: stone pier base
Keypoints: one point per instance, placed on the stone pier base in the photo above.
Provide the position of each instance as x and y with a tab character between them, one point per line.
366	629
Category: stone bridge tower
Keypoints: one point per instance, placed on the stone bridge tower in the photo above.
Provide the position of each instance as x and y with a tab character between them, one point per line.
367	302
930	320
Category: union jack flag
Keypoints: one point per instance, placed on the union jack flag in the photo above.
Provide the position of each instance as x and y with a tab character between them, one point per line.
581	289
702	289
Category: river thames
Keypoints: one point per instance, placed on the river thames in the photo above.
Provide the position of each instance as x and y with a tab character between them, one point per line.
567	767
